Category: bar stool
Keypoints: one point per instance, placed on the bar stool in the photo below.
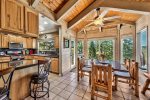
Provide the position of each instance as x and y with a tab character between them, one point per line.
39	84
6	76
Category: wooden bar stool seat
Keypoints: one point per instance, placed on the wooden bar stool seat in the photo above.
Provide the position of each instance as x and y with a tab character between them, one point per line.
147	83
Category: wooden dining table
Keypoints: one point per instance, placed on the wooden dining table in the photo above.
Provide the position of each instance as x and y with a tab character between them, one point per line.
116	65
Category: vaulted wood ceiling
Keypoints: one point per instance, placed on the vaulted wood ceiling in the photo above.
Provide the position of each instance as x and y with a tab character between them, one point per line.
54	5
78	12
77	8
126	18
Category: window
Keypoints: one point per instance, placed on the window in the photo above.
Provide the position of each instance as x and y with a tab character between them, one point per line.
126	48
105	46
80	46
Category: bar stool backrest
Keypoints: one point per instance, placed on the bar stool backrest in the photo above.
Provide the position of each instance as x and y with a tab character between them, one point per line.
44	67
6	76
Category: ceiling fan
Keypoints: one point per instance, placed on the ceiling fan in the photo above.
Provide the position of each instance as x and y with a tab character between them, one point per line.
99	20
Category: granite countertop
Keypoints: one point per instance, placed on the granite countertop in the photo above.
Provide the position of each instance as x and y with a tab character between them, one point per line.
46	55
21	64
4	55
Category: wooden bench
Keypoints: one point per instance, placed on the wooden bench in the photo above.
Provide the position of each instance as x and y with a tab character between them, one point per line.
147	82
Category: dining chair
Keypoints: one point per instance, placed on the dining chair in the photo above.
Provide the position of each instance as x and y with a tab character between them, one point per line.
82	69
127	64
132	75
147	83
101	80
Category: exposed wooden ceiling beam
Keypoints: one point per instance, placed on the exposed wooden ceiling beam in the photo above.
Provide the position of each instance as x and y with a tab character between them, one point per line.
129	5
35	3
66	8
122	4
60	6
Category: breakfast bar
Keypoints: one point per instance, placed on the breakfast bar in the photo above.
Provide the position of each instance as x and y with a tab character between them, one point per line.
24	69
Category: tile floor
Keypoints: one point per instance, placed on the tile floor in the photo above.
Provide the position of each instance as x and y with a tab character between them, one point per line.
67	88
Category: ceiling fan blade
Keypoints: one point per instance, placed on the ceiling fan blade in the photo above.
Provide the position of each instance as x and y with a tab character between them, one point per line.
89	24
90	20
103	13
111	18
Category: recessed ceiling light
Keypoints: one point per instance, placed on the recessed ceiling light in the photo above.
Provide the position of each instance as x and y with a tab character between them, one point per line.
45	22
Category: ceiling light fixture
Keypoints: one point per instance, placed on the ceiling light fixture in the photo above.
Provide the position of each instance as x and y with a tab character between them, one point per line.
45	22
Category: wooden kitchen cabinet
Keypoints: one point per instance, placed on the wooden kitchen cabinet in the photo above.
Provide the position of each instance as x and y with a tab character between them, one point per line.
24	42
4	59
56	42
12	38
31	22
4	41
55	65
34	42
29	42
12	16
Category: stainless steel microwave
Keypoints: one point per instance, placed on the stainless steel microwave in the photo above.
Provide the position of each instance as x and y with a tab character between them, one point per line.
13	45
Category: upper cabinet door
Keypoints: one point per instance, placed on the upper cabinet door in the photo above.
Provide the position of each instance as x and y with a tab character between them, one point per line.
12	16
31	22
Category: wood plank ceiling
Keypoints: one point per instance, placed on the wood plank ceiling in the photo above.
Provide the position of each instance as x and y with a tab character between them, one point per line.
80	5
77	8
54	5
126	18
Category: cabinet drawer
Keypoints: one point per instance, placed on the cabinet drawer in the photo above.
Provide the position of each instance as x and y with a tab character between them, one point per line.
4	59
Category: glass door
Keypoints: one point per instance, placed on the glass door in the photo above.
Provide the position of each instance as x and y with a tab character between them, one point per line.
72	53
143	54
126	48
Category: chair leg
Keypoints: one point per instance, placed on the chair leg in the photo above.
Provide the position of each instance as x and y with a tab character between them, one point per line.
136	89
145	87
48	87
90	78
116	82
92	93
78	75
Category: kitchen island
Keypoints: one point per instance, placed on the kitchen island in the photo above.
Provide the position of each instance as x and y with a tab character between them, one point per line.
24	69
54	60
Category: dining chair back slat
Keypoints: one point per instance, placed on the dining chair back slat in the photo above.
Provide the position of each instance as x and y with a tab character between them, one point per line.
102	78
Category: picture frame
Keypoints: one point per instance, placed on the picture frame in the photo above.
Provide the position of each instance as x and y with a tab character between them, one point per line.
66	43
